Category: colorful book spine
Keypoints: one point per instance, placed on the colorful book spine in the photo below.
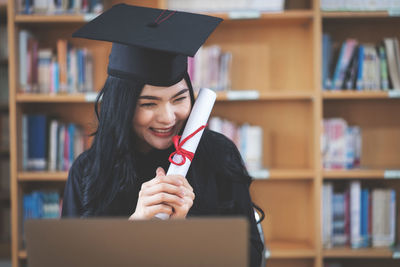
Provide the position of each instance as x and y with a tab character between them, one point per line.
37	125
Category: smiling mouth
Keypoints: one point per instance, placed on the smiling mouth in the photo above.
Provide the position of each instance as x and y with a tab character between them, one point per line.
163	132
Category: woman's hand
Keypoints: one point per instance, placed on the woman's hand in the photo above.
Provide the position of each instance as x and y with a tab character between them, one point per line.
170	194
180	211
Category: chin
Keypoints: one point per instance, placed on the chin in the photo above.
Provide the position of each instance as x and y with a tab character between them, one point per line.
161	145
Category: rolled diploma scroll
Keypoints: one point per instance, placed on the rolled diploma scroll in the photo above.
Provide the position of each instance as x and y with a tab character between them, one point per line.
198	117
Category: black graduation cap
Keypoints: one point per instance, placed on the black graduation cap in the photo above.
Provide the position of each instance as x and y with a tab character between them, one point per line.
149	44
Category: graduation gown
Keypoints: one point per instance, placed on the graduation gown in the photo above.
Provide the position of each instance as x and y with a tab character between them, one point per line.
217	174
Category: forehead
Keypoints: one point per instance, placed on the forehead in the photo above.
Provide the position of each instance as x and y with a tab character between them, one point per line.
163	91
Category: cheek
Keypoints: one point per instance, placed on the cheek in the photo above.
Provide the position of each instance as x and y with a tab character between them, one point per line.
141	118
184	111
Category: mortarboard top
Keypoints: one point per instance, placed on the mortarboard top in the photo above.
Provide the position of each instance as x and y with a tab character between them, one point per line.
150	45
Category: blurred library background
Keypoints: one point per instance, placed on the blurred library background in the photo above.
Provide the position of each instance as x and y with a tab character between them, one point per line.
308	90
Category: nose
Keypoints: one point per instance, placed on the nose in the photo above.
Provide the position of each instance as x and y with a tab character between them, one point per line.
166	115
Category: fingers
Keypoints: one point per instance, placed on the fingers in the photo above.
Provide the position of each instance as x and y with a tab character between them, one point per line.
164	187
160	208
160	172
161	198
163	179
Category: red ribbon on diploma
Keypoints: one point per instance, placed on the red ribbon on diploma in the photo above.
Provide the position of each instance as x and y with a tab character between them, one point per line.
180	151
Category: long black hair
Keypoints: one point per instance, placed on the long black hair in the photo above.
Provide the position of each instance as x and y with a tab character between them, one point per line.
111	164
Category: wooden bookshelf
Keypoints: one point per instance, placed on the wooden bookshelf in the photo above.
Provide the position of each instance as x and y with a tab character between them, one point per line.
42	176
276	84
350	14
243	95
56	98
293	15
358	253
359	94
59	19
290	249
362	174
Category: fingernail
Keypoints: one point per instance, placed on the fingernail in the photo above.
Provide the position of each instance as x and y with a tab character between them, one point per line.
182	193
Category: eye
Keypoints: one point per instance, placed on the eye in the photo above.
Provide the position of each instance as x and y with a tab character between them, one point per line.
180	99
147	105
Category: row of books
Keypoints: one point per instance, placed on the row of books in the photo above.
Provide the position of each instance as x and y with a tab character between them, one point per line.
359	5
226	5
49	144
210	68
360	66
341	144
41	205
60	6
247	138
3	42
67	70
357	216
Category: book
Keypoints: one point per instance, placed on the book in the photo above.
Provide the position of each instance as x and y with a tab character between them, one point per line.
343	62
383	217
383	68
393	67
44	68
37	139
326	60
365	217
327	192
355	216
360	69
339	237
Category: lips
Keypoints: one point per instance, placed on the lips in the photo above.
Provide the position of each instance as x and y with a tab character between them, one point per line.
162	132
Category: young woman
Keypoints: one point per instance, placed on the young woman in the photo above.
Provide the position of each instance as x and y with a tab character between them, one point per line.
145	101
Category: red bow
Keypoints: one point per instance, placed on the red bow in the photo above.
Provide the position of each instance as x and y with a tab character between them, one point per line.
180	151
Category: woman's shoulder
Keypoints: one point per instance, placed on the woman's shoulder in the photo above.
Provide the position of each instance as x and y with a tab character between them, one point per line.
223	156
218	141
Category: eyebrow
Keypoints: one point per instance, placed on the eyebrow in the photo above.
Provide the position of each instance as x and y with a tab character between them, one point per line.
158	98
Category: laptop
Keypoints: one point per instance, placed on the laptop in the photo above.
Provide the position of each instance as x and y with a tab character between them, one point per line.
119	242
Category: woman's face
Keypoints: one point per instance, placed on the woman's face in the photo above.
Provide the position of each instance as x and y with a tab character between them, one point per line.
160	114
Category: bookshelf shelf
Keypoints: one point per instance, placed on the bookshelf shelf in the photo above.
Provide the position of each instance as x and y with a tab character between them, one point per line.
56	98
290	249
64	18
358	253
355	14
261	96
281	174
42	176
286	15
359	95
361	174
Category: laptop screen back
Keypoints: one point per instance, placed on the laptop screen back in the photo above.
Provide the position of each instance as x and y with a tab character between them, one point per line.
119	242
